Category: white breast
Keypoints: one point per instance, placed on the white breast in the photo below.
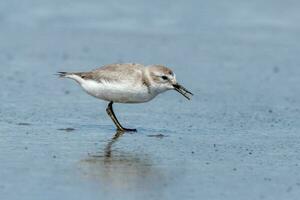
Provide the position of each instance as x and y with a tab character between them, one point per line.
120	92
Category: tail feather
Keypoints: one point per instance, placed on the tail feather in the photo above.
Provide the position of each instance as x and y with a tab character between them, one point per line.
62	74
74	76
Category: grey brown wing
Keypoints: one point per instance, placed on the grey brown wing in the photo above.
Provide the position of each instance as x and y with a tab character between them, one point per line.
128	72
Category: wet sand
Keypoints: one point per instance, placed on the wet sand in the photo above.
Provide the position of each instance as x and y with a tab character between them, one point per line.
237	139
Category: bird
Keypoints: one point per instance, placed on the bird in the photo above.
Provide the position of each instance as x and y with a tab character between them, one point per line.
127	83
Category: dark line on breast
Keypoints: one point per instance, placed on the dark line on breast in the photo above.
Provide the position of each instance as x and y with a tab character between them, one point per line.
146	83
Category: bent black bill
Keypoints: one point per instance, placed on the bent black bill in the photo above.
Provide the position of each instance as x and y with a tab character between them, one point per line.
182	90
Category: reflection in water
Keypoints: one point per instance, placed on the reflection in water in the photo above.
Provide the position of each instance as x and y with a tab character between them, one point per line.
111	142
124	171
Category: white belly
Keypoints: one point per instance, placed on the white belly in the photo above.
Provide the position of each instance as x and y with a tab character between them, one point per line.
117	92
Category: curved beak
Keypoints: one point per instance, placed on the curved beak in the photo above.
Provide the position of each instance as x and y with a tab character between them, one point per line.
182	90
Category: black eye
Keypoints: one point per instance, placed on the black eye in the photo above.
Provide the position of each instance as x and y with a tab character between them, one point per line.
164	77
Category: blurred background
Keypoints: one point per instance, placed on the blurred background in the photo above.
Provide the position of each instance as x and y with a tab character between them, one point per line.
237	139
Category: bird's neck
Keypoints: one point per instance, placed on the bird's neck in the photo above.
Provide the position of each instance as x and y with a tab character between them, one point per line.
152	87
146	79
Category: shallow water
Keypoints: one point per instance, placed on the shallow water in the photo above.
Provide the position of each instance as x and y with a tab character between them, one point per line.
237	139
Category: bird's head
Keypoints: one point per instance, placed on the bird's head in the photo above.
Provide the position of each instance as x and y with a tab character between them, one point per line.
163	79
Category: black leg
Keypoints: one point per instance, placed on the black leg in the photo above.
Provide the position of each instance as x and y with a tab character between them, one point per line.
112	115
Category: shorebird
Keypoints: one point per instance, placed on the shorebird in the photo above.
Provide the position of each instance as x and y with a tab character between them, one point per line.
126	83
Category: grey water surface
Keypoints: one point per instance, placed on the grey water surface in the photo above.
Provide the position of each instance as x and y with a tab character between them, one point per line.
239	137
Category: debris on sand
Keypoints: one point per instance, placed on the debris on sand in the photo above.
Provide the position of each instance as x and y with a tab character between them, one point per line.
23	124
66	129
158	135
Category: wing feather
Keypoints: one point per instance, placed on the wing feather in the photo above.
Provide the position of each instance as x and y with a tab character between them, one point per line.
127	72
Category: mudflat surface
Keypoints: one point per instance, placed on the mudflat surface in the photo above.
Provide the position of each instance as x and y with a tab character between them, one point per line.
237	139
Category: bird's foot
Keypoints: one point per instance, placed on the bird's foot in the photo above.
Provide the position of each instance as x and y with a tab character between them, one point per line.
127	129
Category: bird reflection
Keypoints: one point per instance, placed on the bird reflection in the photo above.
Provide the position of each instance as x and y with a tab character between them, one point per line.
123	170
107	150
